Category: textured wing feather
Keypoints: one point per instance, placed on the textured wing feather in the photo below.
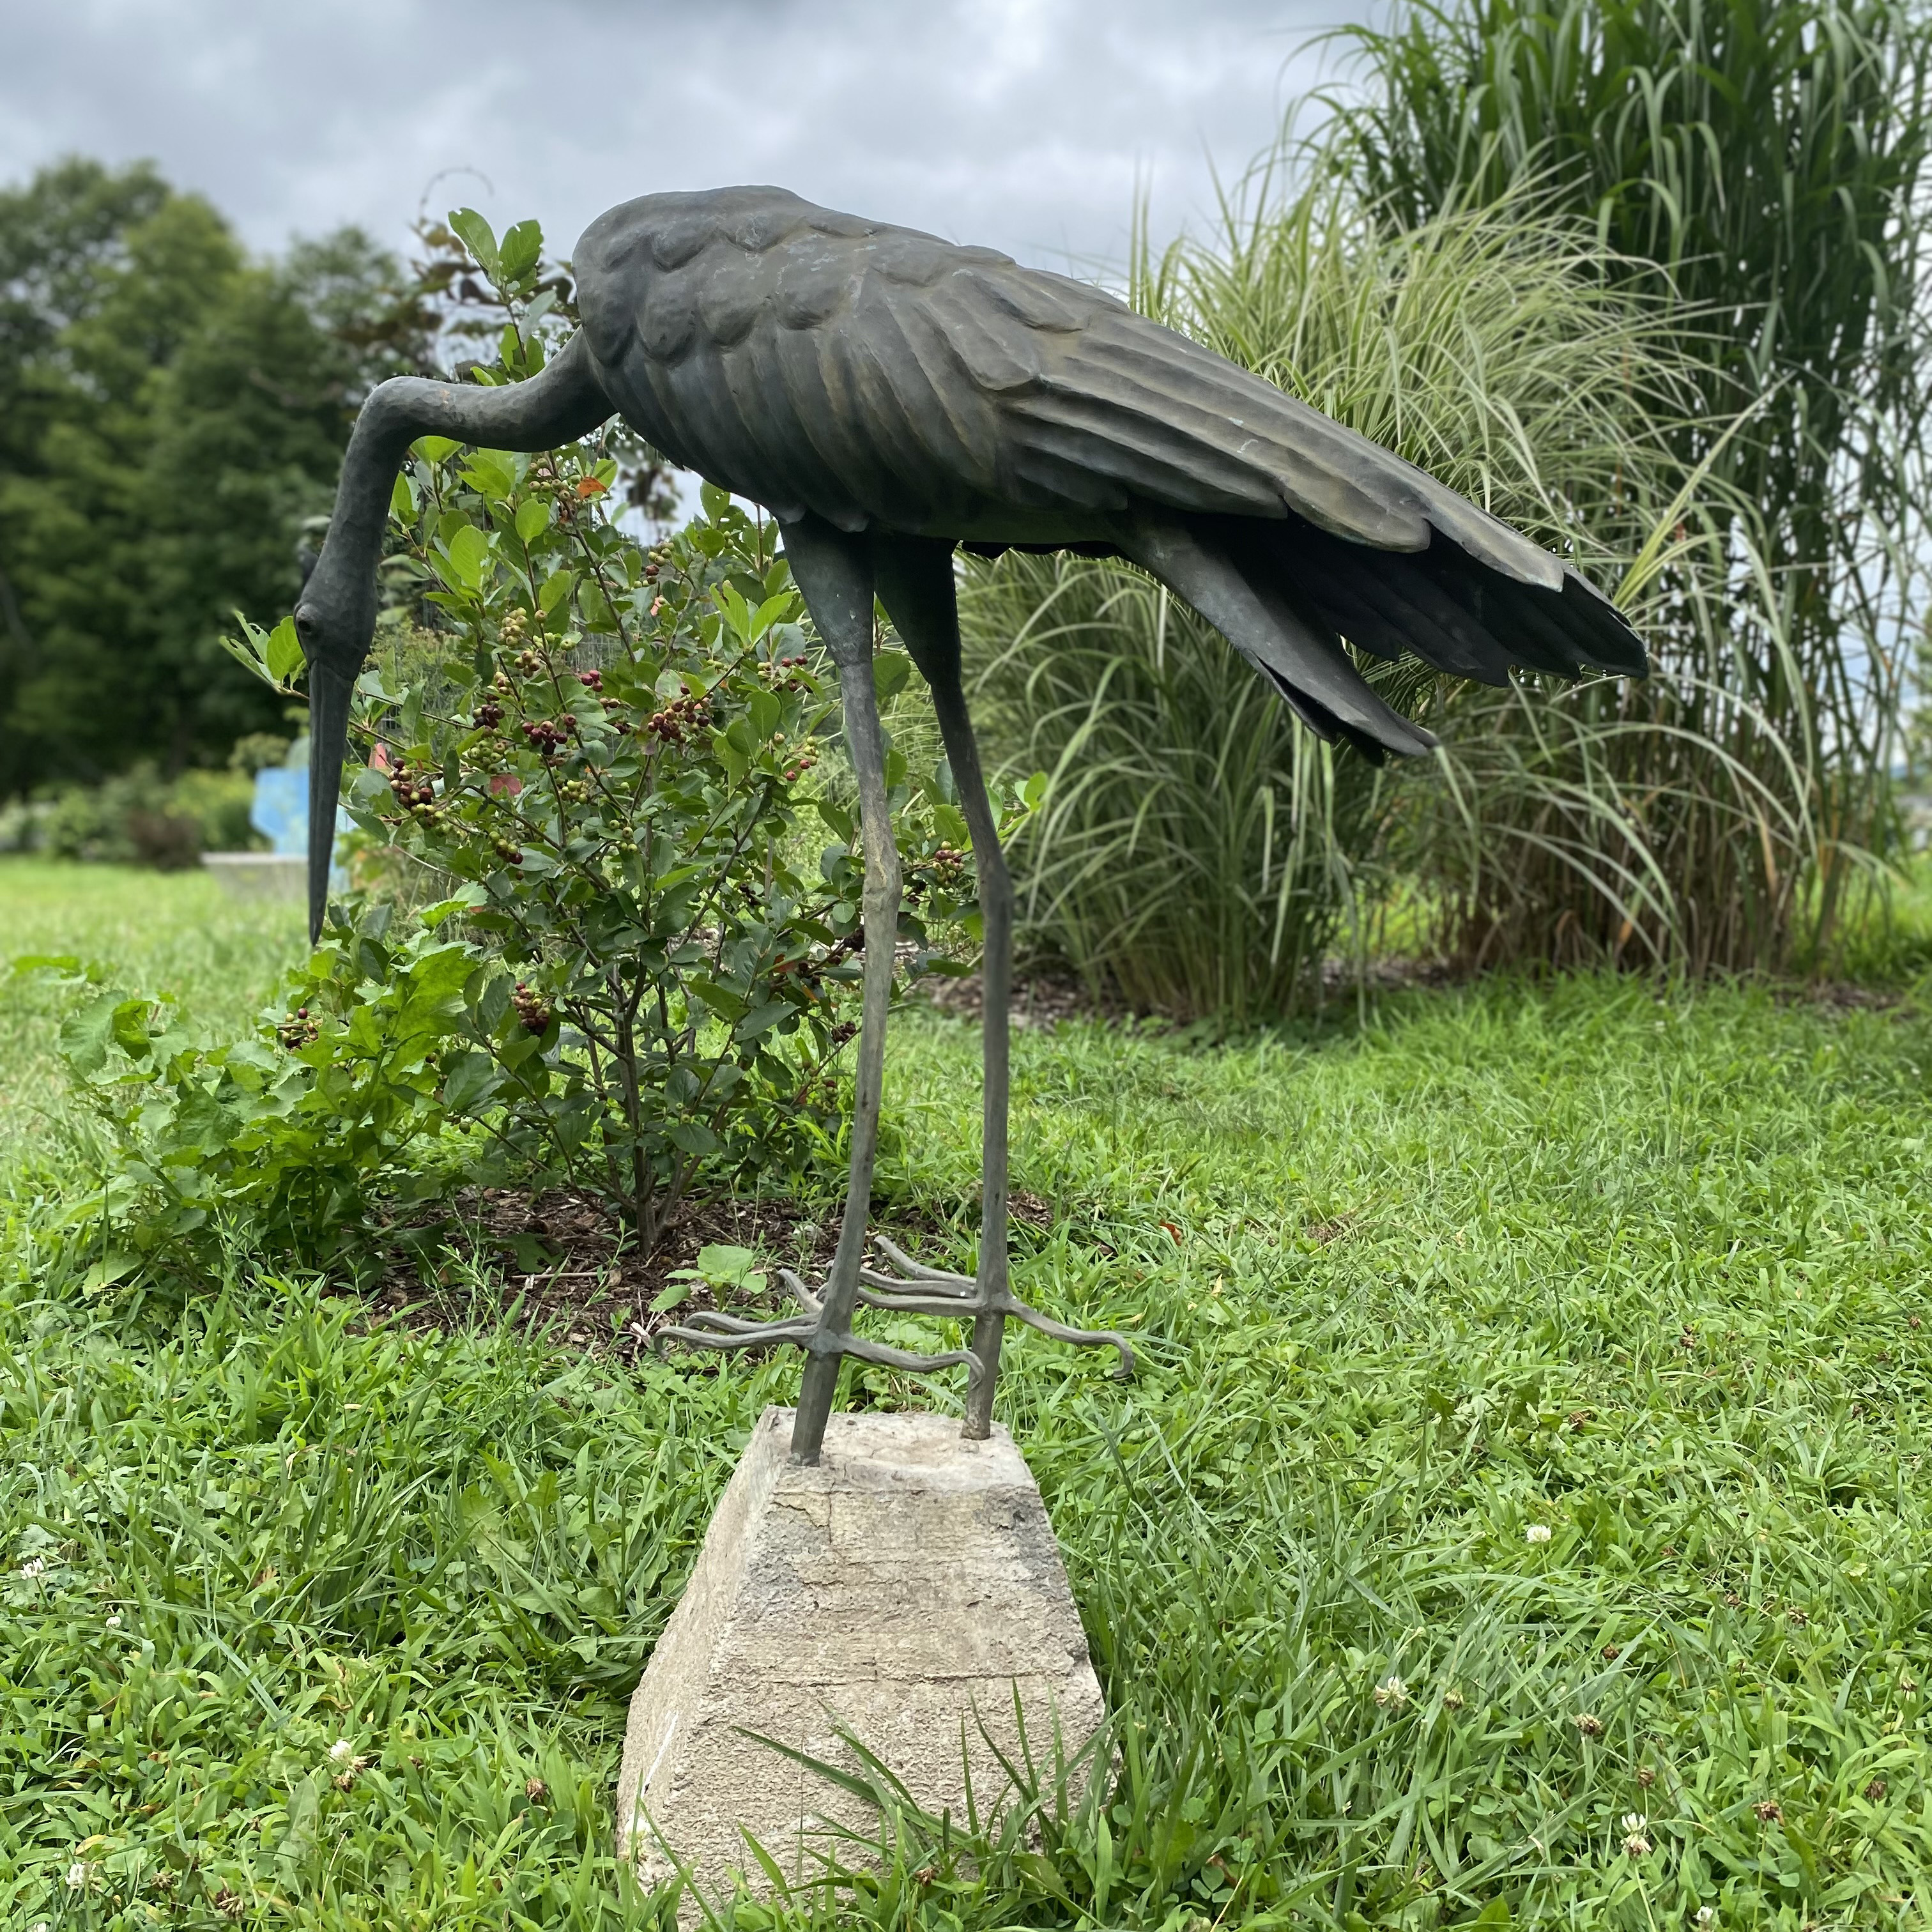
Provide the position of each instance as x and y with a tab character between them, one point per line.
872	375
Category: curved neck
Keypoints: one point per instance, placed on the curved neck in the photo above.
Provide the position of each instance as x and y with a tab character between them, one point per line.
566	401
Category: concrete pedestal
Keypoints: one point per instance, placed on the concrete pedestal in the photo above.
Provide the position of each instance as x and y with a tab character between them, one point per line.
904	1588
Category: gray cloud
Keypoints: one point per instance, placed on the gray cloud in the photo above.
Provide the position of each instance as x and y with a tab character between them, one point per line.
1029	124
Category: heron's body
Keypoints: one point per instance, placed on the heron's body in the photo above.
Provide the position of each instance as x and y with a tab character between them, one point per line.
888	396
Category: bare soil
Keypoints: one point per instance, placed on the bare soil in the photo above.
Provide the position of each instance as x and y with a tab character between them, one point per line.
557	1262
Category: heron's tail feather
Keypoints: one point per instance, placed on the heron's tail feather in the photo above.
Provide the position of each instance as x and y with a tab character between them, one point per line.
1245	601
1284	594
1460	613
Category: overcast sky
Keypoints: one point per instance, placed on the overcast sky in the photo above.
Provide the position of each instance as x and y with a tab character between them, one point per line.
1024	124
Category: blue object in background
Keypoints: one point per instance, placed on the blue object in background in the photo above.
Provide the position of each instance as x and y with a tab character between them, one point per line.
280	813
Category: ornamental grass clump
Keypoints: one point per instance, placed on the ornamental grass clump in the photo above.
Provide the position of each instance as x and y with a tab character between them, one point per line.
1196	851
1760	169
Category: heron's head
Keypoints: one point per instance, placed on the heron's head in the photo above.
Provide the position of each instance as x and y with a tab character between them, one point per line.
335	621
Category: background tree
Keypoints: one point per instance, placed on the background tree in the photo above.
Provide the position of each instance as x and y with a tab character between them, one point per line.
171	413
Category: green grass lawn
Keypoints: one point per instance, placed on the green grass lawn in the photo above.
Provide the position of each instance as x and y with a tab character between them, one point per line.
1520	1519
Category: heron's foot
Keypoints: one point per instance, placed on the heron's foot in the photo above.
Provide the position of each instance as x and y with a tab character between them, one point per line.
809	1329
912	1288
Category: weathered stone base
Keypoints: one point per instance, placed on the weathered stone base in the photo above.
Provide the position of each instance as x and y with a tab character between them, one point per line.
905	1588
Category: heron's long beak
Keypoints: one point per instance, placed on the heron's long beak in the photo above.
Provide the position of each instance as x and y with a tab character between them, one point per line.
329	690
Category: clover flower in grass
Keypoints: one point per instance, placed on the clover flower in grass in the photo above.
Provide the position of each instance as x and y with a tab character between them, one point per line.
79	1875
1707	1915
1392	1690
35	1566
1636	1844
1537	1532
341	1752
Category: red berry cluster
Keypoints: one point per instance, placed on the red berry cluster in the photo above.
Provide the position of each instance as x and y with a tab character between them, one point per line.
949	866
681	720
489	715
298	1030
533	1008
842	1032
546	735
782	673
591	680
414	791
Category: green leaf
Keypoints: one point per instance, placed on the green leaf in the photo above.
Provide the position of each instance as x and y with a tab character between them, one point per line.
283	652
129	1025
87	1034
722	1001
403	499
736	764
595	607
521	248
435	448
273	656
532	1257
555	590
533	519
776	609
477	235
725	1267
468	1081
890	670
469	551
467	900
45	962
105	1272
491	475
950	824
676	1296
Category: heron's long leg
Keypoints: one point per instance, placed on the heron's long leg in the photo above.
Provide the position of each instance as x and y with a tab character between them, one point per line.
915	580
916	586
834	572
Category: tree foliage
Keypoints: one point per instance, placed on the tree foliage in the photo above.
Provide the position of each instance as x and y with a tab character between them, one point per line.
170	412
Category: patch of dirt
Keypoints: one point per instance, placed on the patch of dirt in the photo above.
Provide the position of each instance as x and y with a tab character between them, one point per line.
1340	977
1843	996
1043	997
561	1264
1323	1232
564	1264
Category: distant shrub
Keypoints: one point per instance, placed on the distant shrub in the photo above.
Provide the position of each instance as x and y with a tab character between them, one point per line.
138	818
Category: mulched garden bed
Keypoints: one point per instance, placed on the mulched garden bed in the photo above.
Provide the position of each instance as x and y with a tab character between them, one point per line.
557	1262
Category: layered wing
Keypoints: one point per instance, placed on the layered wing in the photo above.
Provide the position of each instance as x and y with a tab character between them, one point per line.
874	376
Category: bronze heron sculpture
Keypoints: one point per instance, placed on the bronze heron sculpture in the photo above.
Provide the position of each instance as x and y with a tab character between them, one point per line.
889	398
